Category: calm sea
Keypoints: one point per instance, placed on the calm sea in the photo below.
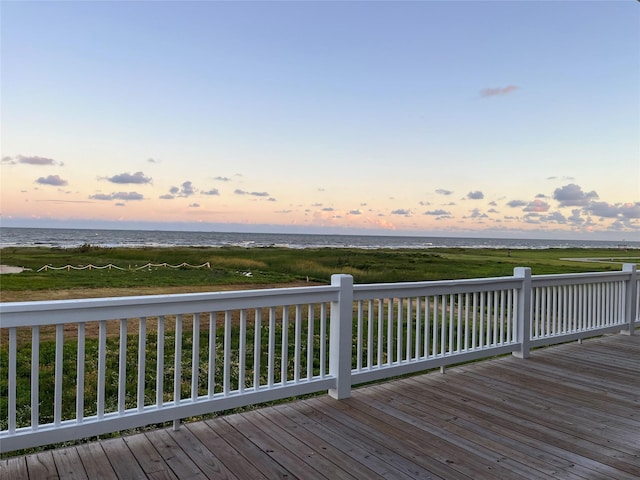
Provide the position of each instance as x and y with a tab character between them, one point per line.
70	238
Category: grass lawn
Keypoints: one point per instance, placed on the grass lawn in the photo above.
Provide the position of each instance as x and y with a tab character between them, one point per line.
236	267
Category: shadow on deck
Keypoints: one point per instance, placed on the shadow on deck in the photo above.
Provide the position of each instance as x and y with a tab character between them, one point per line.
571	411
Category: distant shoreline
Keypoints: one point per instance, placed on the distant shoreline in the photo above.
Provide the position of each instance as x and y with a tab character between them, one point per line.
75	238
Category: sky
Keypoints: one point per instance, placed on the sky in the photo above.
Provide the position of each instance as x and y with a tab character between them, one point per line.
453	118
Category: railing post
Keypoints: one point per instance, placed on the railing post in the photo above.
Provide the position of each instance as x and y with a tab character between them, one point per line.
631	297
523	319
340	336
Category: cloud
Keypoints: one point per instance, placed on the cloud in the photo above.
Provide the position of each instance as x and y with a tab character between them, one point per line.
327	209
185	190
138	178
571	195
194	205
603	209
442	191
493	92
401	211
54	180
166	196
35	160
355	212
237	191
477	195
476	213
437	212
516	203
606	210
213	191
576	218
222	179
537	206
556	217
565	178
630	210
125	196
32	160
153	160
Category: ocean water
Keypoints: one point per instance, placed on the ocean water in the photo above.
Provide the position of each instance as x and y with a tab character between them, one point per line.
71	238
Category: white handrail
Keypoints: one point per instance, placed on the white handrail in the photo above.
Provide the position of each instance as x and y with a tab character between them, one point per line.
135	361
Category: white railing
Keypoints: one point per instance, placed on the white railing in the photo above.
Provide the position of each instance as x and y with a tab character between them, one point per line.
79	368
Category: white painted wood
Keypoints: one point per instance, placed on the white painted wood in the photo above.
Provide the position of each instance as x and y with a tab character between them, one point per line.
122	366
79	373
242	350
13	354
340	332
272	347
102	353
195	355
142	361
58	375
523	324
177	362
160	363
257	348
211	363
310	340
284	339
297	342
399	328
35	379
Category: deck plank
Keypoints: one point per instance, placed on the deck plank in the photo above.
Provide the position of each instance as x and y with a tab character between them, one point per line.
292	461
224	451
344	446
250	452
41	465
148	458
206	460
95	461
122	460
570	411
181	465
13	469
69	465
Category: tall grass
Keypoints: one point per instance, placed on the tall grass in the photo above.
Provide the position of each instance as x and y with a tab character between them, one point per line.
273	265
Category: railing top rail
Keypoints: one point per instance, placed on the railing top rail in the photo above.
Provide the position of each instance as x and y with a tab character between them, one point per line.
377	290
579	278
16	314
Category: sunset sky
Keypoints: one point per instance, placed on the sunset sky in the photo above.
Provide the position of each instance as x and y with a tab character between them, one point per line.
501	118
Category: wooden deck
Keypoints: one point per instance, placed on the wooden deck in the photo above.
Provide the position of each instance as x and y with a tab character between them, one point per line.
568	412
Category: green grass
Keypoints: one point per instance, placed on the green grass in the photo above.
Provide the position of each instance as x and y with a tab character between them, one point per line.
281	265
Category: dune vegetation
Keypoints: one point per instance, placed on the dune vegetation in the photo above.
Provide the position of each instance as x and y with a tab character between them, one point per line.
236	267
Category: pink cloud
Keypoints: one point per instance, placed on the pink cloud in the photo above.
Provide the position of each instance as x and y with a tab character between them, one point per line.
492	92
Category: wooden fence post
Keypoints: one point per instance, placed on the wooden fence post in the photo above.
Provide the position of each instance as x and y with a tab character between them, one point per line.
631	298
523	320
340	337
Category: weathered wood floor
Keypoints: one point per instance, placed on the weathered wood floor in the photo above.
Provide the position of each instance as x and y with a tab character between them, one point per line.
569	412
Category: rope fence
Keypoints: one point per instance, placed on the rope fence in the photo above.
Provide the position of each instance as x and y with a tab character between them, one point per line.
116	267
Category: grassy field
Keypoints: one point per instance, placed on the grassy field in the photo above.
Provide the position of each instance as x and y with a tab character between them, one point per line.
235	267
